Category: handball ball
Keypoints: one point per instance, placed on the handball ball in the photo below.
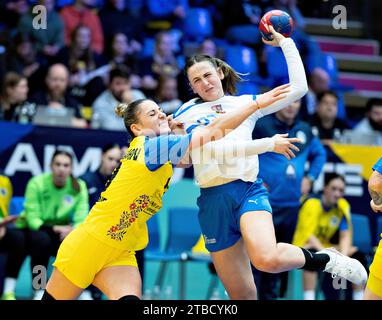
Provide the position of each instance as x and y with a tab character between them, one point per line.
281	22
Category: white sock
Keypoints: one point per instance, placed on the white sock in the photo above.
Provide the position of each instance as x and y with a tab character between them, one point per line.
9	285
357	294
38	294
309	295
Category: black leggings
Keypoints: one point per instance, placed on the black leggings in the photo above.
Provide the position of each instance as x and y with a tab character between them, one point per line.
41	245
13	245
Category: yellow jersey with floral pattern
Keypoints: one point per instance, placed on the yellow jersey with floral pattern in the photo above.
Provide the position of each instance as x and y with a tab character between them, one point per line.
134	192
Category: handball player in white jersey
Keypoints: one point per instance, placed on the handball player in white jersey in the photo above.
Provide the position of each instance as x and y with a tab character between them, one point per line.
234	212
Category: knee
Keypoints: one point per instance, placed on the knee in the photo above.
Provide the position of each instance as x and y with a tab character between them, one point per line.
266	263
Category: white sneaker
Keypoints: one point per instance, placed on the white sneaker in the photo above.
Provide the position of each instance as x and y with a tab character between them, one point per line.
345	267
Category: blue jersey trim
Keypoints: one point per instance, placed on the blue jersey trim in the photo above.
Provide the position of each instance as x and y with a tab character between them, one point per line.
184	110
378	166
343	225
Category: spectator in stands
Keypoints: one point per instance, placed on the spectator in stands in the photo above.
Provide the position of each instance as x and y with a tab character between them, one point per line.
287	183
80	14
55	203
56	96
11	11
114	16
84	65
318	82
241	21
96	180
325	124
325	221
308	47
119	91
372	123
169	13
47	41
12	241
22	58
164	62
290	6
125	52
208	47
13	99
167	94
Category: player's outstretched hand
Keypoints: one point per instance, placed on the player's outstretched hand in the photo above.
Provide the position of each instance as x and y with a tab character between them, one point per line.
277	37
285	145
269	97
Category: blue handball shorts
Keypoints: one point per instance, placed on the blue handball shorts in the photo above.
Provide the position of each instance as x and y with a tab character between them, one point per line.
221	207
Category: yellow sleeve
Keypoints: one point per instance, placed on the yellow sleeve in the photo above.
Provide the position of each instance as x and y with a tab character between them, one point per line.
307	222
199	247
6	192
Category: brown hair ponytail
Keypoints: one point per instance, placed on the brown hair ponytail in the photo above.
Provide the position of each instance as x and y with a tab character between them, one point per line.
231	77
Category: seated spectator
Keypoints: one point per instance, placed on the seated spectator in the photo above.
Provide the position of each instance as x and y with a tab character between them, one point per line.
125	52
96	180
119	90
12	242
325	124
86	67
55	203
11	11
113	17
164	62
166	14
326	222
167	95
13	99
80	14
287	182
308	47
318	82
208	47
56	96
22	58
372	122
46	41
241	21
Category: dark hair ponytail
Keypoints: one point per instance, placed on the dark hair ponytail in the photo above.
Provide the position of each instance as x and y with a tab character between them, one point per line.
75	185
231	77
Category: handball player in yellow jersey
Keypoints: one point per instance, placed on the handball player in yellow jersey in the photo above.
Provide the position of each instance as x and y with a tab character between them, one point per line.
373	289
101	251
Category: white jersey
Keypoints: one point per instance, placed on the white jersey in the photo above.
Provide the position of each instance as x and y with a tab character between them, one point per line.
207	167
195	113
